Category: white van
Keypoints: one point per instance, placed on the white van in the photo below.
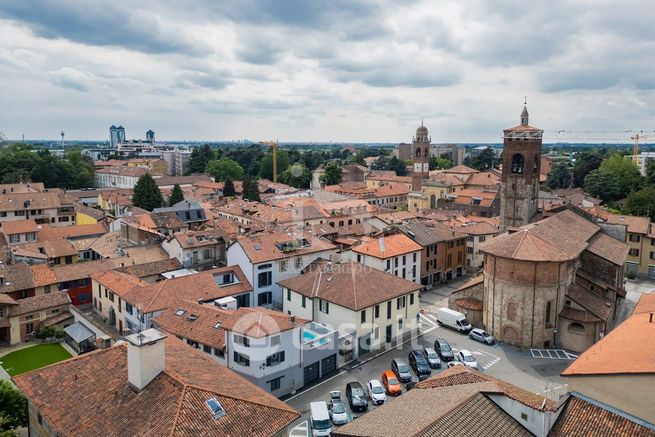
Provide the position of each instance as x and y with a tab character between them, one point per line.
453	319
319	419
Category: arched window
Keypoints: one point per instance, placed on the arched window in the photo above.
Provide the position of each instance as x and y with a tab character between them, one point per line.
512	309
433	201
576	328
535	164
418	152
517	163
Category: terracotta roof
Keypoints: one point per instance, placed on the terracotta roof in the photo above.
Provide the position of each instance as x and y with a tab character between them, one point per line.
143	254
199	287
39	302
469	303
48	232
461	375
389	176
191	239
16	277
471	283
253	322
560	237
461	169
30	187
479	228
45	274
172	404
578	315
458	404
646	303
117	282
387	246
397	217
53	248
638	225
350	285
392	189
628	348
182	180
57	318
151	268
40	200
264	247
598	305
5	299
469	195
609	248
485	179
19	227
582	416
422	234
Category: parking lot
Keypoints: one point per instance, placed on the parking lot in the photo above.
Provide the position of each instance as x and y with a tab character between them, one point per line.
522	368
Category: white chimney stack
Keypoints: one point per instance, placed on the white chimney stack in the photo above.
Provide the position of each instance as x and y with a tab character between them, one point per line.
146	356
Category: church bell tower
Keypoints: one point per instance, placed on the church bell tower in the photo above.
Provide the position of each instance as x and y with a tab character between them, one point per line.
519	195
421	157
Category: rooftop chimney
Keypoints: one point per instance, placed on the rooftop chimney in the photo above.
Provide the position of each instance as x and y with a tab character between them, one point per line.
146	354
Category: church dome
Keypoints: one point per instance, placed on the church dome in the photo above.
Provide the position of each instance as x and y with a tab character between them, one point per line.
422	130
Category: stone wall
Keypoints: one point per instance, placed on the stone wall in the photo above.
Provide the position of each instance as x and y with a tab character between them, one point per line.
468	294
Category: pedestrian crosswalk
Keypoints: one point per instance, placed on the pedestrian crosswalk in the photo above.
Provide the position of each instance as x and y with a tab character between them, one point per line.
428	319
555	354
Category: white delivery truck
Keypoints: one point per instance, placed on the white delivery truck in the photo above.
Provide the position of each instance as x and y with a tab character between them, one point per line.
319	420
453	319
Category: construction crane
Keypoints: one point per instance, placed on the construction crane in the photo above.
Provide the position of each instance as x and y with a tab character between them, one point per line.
635	147
274	146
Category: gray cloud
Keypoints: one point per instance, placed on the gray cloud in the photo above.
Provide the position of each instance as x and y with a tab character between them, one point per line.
71	78
108	24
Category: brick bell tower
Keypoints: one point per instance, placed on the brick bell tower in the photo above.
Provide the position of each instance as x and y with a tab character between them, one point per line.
519	188
421	157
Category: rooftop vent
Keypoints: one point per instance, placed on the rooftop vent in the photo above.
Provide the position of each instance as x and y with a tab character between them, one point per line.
192	317
215	407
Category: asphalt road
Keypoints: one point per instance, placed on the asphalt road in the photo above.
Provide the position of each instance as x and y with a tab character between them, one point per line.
522	368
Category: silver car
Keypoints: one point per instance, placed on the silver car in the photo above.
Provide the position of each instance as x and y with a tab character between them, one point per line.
481	335
338	412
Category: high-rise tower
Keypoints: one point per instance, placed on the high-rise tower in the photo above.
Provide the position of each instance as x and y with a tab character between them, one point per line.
421	157
519	188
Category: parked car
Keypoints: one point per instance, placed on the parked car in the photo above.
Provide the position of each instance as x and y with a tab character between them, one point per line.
444	350
432	358
420	365
401	370
391	384
356	396
481	335
465	357
338	413
319	419
376	392
451	364
453	319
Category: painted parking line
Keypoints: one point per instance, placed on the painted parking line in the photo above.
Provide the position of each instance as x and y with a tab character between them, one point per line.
554	354
427	320
300	430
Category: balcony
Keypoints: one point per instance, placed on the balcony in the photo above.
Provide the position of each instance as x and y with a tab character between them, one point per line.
315	335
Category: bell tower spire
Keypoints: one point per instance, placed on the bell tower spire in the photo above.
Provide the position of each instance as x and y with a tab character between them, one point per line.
524	114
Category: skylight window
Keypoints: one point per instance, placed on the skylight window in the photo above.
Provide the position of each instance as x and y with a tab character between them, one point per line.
215	407
217	325
180	312
192	317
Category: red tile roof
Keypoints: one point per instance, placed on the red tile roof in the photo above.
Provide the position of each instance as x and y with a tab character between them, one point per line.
173	404
263	247
19	227
638	225
387	246
629	348
350	285
39	302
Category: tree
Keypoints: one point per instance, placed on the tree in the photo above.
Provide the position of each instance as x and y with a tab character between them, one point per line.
146	193
224	168
199	158
358	158
250	190
641	203
266	165
333	173
485	160
440	162
297	176
228	188
380	163
650	170
586	162
559	176
13	407
625	171
398	166
603	185
177	195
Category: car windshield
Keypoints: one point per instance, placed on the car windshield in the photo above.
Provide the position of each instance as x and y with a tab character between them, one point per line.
338	408
484	333
469	358
432	355
393	381
403	368
376	389
445	347
420	359
464	322
357	392
321	424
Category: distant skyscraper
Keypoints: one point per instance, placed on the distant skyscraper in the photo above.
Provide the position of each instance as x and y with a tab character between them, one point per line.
116	136
150	137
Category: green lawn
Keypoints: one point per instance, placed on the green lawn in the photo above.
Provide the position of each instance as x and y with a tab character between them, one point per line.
34	357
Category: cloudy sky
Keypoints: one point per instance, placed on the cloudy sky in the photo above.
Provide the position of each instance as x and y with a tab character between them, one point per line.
328	70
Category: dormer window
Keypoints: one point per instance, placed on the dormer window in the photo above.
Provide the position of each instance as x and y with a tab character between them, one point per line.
517	163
